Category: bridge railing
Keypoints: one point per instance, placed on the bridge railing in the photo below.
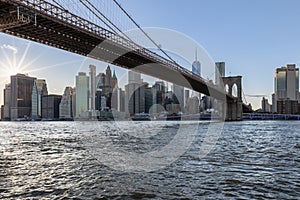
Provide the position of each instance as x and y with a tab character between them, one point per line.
61	15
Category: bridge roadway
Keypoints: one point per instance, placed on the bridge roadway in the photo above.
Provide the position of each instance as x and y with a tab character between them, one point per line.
45	23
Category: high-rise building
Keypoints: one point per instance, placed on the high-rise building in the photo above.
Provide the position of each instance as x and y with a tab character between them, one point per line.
34	101
196	66
39	90
286	85
134	77
117	100
179	94
148	97
6	107
50	106
66	104
196	69
108	79
192	106
265	106
114	81
21	96
186	96
219	72
135	94
92	87
82	94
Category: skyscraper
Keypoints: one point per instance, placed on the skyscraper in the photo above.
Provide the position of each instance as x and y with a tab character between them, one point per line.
21	96
196	69
82	97
286	85
108	79
50	106
114	81
196	66
179	94
5	115
135	94
219	72
38	91
92	88
65	106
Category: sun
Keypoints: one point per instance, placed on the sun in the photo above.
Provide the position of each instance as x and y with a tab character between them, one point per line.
12	61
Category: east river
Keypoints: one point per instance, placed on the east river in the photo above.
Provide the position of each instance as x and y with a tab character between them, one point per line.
150	160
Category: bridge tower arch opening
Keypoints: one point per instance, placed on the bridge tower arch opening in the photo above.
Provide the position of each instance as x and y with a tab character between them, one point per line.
234	111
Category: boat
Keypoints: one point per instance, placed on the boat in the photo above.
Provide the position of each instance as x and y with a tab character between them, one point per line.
141	117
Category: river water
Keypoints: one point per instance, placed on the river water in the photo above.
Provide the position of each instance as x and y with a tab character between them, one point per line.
108	160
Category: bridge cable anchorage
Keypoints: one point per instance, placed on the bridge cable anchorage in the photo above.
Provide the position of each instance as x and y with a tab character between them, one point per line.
158	46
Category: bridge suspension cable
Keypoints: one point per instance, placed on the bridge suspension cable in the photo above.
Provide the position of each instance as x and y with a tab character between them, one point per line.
140	28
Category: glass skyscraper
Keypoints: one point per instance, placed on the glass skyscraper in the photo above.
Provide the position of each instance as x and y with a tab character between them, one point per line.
286	85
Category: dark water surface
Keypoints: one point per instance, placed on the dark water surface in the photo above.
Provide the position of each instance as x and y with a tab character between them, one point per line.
53	160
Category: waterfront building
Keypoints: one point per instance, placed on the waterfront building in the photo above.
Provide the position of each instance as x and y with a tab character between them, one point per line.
219	72
66	104
117	100
74	102
50	106
192	106
135	94
265	106
287	106
21	96
39	90
179	95
286	86
92	87
148	97
2	112
82	94
186	97
98	96
5	115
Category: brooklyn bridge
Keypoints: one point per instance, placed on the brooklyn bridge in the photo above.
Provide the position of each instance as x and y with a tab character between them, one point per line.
49	23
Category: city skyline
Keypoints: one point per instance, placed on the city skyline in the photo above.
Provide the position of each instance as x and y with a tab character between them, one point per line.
261	49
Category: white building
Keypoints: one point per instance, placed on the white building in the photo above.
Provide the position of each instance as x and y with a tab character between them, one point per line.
82	94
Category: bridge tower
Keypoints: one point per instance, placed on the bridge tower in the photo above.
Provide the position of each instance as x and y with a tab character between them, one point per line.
234	107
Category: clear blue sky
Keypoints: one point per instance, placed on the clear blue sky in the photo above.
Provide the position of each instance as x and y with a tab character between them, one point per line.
252	37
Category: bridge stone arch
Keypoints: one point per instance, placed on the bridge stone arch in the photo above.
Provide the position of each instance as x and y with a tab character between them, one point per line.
235	104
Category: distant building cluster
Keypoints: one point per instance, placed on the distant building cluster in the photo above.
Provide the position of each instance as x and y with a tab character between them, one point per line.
286	97
98	96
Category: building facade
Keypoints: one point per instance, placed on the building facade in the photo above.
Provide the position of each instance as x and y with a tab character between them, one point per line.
82	94
92	87
50	106
39	90
21	96
7	104
286	87
66	104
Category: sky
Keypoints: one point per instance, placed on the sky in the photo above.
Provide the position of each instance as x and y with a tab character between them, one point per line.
251	37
